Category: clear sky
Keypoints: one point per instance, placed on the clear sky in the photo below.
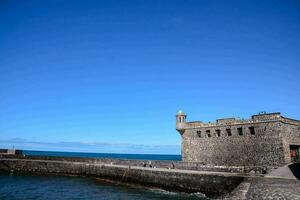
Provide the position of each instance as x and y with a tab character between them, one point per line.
93	73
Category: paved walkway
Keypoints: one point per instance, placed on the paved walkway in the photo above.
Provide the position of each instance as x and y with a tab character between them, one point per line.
135	167
284	172
275	189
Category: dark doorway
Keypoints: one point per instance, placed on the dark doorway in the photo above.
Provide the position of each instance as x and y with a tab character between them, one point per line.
295	153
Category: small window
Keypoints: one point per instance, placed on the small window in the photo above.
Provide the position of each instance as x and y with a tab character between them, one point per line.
208	133
252	130
218	133
265	128
240	131
198	133
228	131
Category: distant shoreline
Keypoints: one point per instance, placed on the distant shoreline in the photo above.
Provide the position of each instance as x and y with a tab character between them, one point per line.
169	157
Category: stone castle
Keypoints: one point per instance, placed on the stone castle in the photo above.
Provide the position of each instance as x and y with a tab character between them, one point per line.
267	139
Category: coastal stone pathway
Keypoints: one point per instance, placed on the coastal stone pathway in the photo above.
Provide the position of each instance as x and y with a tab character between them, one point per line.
240	192
266	189
274	189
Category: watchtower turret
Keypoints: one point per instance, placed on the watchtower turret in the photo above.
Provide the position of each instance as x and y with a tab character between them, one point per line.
180	120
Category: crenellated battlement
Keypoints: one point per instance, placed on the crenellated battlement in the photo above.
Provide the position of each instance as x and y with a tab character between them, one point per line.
260	118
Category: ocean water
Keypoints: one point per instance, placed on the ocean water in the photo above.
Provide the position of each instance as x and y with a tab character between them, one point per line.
104	155
40	187
29	187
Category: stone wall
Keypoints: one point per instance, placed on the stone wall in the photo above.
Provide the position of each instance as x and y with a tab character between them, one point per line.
264	148
211	184
197	166
290	133
263	140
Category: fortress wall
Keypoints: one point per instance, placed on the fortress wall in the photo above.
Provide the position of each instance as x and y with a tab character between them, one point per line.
265	148
290	132
211	184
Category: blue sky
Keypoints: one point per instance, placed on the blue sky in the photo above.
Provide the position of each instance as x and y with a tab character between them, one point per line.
116	72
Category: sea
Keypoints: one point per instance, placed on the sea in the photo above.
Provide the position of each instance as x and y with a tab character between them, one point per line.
48	187
104	155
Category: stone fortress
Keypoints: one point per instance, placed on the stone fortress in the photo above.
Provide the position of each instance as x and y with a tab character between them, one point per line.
267	139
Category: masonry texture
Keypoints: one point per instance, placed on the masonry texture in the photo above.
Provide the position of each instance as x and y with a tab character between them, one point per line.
213	184
263	140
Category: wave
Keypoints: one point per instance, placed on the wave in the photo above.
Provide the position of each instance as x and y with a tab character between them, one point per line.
182	194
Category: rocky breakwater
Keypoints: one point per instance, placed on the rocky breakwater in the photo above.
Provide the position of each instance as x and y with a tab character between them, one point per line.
168	175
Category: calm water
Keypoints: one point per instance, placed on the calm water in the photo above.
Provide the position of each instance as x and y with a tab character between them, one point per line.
105	155
62	187
15	187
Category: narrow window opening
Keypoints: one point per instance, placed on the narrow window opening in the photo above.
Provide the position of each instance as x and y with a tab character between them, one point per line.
240	131
208	133
265	128
199	133
218	132
228	131
252	130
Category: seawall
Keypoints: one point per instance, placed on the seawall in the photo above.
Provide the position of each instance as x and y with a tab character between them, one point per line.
162	174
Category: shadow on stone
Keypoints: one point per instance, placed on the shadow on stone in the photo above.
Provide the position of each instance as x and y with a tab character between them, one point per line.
295	168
